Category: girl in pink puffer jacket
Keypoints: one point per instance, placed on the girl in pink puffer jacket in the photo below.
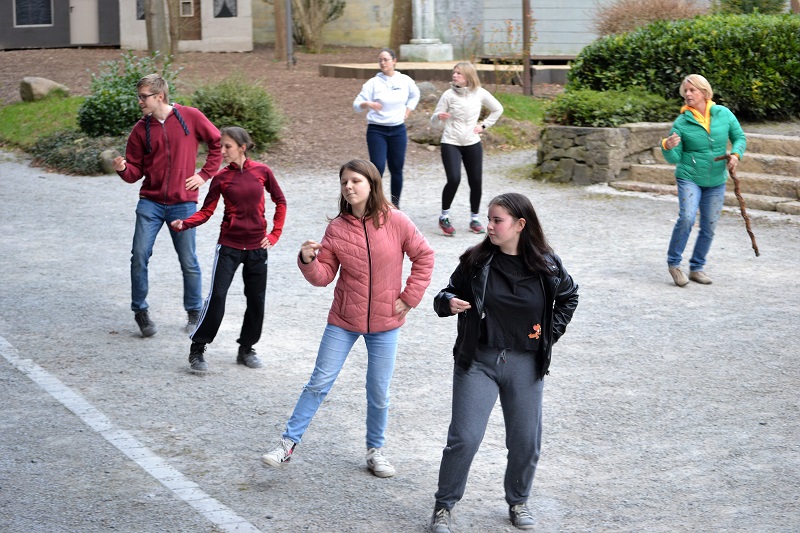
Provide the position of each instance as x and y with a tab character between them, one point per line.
365	244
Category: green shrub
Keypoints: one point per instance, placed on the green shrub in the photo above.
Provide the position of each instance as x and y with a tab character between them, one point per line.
73	152
610	108
235	102
751	61
112	109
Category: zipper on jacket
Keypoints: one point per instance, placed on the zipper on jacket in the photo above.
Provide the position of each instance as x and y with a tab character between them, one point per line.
369	275
169	157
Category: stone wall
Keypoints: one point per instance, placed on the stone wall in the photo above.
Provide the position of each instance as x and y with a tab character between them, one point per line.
584	156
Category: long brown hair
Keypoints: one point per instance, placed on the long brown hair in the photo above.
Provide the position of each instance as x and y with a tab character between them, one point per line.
378	207
532	247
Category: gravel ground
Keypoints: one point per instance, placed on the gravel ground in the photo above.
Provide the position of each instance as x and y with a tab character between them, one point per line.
667	409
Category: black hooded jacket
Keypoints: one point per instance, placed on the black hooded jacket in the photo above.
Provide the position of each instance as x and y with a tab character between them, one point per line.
561	299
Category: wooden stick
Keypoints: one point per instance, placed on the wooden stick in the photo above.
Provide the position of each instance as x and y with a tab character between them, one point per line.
738	194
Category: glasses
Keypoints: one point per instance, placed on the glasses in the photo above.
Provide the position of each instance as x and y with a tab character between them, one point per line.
143	97
383	60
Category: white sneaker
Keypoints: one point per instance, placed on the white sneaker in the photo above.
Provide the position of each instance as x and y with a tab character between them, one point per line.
281	454
378	464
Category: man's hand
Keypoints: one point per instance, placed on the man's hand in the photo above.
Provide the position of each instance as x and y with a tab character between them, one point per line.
119	164
194	182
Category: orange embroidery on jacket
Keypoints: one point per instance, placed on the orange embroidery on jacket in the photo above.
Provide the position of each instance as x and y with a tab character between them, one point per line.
537	331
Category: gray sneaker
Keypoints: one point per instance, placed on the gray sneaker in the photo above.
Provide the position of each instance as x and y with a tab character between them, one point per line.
146	326
247	357
441	521
378	464
196	361
520	516
282	453
193	320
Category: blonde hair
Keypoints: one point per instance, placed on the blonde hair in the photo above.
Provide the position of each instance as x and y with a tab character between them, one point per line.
700	82
156	85
470	73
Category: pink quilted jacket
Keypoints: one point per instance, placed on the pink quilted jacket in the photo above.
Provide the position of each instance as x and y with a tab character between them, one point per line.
370	277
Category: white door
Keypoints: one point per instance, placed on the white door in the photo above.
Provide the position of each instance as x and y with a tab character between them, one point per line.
84	25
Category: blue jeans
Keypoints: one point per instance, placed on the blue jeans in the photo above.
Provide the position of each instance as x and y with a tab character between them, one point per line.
150	216
387	144
692	197
333	350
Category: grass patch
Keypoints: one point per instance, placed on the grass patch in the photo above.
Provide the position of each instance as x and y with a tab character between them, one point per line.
23	123
523	108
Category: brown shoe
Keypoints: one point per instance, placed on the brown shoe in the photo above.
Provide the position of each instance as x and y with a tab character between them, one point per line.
678	276
700	277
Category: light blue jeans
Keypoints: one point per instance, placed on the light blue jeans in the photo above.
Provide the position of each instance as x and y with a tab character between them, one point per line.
692	197
333	350
150	216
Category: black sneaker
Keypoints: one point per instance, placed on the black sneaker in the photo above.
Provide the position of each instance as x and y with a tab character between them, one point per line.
194	318
247	357
520	516
147	326
198	364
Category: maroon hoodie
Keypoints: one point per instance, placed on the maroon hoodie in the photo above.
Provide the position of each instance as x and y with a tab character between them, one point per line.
170	156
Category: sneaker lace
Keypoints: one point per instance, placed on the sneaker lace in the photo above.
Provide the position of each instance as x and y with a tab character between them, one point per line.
521	512
378	459
441	517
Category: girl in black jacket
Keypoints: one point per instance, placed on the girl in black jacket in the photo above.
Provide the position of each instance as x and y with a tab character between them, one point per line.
514	299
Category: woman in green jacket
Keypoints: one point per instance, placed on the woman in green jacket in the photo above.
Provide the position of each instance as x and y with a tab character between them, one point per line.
699	134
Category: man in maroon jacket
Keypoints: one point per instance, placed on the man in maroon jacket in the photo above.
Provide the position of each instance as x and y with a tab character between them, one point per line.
162	149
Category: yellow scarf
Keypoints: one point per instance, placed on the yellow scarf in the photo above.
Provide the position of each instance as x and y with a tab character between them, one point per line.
704	121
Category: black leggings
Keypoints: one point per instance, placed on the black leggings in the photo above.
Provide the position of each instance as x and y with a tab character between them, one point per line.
472	156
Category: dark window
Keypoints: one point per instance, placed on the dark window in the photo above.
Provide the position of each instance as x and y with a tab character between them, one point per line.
224	8
139	9
33	12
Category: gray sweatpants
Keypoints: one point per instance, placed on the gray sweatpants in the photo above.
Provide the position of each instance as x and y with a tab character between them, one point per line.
512	375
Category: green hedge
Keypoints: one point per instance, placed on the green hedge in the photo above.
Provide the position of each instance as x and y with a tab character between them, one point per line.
609	109
751	61
236	102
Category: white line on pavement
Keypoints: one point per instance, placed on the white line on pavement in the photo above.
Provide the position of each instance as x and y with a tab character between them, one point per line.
182	487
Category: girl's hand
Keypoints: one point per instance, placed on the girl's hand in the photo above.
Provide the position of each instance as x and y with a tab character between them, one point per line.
266	244
458	305
177	225
401	308
119	164
443	116
308	251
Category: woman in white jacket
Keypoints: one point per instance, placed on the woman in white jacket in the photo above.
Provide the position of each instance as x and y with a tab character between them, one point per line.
459	110
389	98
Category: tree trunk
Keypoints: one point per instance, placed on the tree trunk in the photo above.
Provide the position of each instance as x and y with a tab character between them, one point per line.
173	12
796	6
155	15
279	12
402	24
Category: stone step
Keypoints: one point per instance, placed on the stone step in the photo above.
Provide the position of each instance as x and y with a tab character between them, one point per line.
758	143
757	162
750	182
752	201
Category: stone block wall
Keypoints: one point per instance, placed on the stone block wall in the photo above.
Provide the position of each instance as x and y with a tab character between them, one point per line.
583	156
